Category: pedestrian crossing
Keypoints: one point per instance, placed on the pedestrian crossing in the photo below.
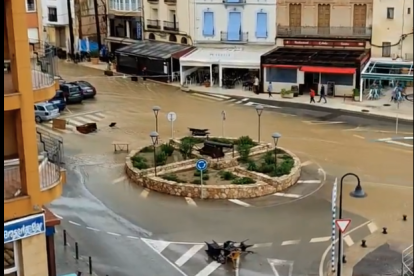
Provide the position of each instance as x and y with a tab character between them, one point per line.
230	101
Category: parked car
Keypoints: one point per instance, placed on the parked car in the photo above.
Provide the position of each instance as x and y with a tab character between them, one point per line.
71	92
59	100
88	90
45	112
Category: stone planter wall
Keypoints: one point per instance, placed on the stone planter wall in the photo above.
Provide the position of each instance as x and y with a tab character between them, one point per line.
265	185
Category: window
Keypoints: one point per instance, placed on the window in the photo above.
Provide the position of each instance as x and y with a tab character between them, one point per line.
11	266
154	14
234	26
261	25
30	5
408	10
284	75
338	79
208	24
52	14
390	13
386	49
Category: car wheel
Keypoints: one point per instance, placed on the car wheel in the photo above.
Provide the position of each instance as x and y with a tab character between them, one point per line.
38	119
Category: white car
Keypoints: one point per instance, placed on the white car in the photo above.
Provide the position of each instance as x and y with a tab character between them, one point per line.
45	112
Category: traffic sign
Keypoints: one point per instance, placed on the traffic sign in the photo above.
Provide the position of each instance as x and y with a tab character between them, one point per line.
342	224
201	165
171	116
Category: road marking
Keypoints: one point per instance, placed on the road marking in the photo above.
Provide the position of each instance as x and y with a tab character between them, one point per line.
242	101
113	234
372	227
348	241
189	254
157	245
209	269
321	123
74	223
306	163
239	202
190	201
261	245
399	144
207	97
292	242
220	96
248	104
320	239
132	237
287	195
359	136
231	100
145	193
120	179
93	229
309	181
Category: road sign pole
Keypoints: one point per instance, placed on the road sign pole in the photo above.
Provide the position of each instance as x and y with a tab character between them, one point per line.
397	118
333	229
222	128
172	129
201	184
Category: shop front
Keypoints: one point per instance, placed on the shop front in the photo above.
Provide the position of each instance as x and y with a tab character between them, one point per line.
308	64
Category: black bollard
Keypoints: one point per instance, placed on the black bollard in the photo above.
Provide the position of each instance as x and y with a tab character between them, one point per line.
364	243
76	251
384	230
79	273
344	259
90	265
404	217
65	242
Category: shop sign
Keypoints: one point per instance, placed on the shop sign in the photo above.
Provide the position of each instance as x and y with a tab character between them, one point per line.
324	43
23	228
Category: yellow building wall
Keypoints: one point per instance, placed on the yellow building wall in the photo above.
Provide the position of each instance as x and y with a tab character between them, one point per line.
391	30
34	256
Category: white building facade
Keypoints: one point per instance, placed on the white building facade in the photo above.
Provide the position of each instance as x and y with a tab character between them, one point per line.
56	21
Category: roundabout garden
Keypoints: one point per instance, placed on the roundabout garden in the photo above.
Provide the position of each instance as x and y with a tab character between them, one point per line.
237	168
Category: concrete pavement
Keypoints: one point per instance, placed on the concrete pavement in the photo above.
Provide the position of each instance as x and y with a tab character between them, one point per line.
334	148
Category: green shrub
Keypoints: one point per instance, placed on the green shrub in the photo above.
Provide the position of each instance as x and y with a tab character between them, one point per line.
167	149
267	168
286	157
226	175
244	152
172	177
138	158
279	151
160	158
147	149
196	181
243	181
284	168
269	158
198	173
252	166
206	177
245	140
140	165
186	149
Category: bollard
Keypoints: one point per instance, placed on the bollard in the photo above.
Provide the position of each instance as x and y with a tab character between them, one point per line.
90	265
65	242
384	230
404	217
344	259
79	273
76	251
364	243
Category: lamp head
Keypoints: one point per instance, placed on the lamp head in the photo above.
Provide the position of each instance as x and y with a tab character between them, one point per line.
358	192
276	136
154	137
259	109
156	109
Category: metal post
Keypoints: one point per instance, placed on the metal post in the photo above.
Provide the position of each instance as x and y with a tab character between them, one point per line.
333	226
276	156
90	265
397	118
156	122
222	127
259	129
76	251
155	161
172	129
65	242
201	183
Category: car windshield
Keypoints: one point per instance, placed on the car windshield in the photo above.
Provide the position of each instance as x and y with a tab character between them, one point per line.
73	90
50	107
82	84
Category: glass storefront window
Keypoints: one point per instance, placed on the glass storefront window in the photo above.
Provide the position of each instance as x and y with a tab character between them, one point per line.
11	259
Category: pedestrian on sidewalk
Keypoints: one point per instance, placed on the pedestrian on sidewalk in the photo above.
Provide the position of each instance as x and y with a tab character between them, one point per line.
256	85
269	90
322	95
312	96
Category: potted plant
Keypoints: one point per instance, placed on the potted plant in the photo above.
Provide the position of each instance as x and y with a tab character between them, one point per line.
95	57
356	94
286	94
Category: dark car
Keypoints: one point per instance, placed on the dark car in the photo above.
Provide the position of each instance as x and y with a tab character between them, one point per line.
71	92
88	90
59	100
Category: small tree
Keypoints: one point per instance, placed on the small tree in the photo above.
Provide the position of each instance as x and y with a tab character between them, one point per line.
244	152
186	149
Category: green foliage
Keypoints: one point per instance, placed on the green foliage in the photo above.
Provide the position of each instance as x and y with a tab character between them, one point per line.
196	181
138	158
139	162
94	54
193	140
147	149
160	158
244	152
172	177
269	158
226	175
243	181
245	140
186	149
251	166
284	168
285	92
198	173
267	168
286	157
167	149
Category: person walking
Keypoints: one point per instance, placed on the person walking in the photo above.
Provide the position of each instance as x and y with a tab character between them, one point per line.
256	85
269	89
312	96
322	95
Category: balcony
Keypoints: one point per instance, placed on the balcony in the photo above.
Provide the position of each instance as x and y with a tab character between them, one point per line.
324	32
171	26
242	37
153	1
170	2
153	24
234	2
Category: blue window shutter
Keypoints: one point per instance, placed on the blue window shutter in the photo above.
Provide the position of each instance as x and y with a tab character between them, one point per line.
232	1
208	24
261	25
234	26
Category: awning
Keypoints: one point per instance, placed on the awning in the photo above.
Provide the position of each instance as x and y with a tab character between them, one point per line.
154	49
280	66
328	70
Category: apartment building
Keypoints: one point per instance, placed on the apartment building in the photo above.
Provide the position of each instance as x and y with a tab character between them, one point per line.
34	21
392	29
85	19
32	178
124	23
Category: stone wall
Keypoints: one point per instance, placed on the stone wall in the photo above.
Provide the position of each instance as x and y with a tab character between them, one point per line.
265	185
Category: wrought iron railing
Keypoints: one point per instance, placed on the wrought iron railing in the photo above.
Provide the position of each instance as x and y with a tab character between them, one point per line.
170	25
44	67
314	31
407	262
231	38
153	24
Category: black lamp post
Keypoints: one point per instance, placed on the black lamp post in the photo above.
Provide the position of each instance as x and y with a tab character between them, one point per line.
154	139
358	193
276	137
156	109
259	110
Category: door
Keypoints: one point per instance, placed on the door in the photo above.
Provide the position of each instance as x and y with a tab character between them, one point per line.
360	19
324	19
295	18
234	26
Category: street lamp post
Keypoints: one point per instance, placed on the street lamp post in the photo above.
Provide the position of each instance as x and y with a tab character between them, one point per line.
154	139
259	110
156	109
276	137
358	193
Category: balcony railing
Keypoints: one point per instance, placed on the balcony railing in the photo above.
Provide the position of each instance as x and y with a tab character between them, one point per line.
234	2
323	32
407	261
153	24
170	2
241	37
49	173
170	25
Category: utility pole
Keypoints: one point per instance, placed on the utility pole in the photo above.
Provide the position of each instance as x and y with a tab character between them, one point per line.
71	34
98	26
